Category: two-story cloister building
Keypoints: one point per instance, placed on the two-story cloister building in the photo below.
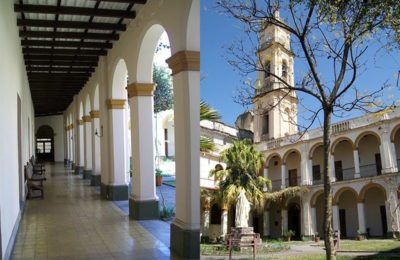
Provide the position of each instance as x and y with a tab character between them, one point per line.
364	156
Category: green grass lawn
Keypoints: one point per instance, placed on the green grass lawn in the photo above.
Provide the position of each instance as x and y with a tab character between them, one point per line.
371	245
172	183
219	250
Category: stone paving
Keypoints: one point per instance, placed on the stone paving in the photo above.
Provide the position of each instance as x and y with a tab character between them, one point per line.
72	222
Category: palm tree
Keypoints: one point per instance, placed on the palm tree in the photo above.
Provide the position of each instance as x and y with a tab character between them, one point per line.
207	113
243	165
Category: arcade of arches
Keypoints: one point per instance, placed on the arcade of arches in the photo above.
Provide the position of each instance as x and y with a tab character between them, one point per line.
106	125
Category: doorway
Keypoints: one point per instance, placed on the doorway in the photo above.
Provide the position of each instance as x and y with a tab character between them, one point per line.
378	163
383	220
294	219
339	170
20	169
292	177
45	143
342	223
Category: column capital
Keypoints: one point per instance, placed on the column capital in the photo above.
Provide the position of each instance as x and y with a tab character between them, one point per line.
95	114
184	61
140	89
79	122
86	119
116	103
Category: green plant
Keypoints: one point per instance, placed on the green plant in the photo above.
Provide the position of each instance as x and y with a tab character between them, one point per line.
159	172
167	212
359	232
316	234
290	233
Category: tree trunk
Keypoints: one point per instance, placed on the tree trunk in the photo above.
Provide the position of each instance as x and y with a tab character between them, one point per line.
329	244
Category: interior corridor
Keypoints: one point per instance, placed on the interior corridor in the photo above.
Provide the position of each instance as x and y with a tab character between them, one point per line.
72	222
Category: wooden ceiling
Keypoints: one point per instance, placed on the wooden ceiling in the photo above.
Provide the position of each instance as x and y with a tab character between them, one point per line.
62	41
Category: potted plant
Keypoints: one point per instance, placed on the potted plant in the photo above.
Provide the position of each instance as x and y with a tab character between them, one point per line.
289	234
360	235
316	237
159	175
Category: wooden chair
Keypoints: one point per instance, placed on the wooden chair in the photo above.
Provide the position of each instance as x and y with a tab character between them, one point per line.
34	183
38	168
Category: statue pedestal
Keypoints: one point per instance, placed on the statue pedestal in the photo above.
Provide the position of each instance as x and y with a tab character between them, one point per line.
244	236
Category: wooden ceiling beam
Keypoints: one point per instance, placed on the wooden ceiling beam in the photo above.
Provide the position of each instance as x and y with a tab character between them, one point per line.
29	68
58	74
59	57
71	24
62	63
125	1
64	51
68	10
72	44
69	35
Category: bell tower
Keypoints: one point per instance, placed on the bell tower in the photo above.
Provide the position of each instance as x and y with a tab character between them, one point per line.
275	112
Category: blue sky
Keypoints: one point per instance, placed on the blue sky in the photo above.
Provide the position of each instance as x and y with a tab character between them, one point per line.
220	81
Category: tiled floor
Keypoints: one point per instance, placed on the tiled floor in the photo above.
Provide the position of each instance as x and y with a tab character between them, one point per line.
72	222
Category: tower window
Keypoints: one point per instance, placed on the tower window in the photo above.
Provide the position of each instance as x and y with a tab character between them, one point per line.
284	70
267	69
265	124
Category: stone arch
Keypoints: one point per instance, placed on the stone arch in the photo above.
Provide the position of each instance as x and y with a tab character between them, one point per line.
120	80
339	192
272	156
286	155
363	134
365	188
313	148
87	105
315	196
146	52
394	132
96	98
80	110
340	139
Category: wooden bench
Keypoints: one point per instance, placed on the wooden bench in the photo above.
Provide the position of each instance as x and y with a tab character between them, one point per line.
235	241
34	183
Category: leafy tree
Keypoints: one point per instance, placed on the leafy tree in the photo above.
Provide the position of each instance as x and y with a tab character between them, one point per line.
207	113
163	96
243	164
323	32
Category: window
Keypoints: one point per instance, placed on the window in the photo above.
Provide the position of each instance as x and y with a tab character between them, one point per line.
43	145
292	177
316	172
284	70
267	69
265	124
216	213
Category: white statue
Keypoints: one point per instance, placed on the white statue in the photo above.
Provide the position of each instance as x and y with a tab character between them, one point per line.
242	210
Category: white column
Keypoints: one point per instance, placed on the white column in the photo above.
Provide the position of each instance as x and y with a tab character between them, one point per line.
361	217
333	173
305	169
265	176
96	154
185	67
206	222
266	223
306	225
335	217
142	139
80	144
284	216
309	176
117	142
88	142
314	220
356	164
224	222
283	176
387	151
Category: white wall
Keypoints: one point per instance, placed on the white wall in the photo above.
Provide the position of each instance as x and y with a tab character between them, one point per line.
13	82
57	123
